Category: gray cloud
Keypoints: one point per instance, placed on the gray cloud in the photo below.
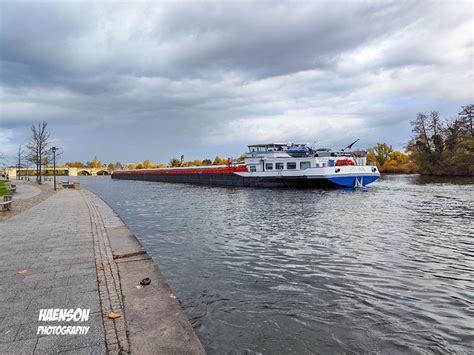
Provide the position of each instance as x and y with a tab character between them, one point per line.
131	81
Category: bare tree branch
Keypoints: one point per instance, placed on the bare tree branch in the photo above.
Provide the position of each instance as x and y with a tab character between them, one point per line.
20	156
466	115
420	128
39	152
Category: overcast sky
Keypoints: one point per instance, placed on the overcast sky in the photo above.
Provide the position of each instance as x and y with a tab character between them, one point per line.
153	80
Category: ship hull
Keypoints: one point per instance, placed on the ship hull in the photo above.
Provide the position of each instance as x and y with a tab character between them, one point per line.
233	179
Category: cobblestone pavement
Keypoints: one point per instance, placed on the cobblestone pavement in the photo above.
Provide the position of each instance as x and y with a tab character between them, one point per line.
109	283
54	242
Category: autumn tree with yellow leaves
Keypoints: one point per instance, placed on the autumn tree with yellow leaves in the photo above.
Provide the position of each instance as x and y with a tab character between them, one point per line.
389	161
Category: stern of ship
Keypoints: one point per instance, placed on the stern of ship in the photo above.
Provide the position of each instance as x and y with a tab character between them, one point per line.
347	176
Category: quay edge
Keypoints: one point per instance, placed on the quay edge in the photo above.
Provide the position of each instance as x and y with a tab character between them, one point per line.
155	320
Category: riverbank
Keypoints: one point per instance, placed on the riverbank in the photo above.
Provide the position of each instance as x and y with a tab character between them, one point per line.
71	251
155	321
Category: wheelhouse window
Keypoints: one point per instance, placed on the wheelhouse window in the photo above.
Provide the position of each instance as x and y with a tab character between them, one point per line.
279	166
268	166
252	168
291	166
305	165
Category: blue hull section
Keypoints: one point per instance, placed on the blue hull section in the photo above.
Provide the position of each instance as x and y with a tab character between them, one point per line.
350	181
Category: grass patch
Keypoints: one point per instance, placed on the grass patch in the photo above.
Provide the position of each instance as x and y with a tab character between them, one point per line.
3	188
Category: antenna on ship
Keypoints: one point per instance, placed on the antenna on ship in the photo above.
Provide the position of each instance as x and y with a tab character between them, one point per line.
350	145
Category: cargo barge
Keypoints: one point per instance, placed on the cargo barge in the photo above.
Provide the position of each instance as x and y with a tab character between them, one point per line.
272	165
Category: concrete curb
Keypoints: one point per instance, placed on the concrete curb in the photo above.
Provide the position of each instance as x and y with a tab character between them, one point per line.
155	322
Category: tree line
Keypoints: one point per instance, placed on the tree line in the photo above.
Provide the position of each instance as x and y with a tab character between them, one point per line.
437	147
147	164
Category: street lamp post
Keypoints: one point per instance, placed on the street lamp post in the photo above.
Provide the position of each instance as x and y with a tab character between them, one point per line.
54	149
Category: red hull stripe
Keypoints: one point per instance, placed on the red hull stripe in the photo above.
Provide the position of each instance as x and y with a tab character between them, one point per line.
225	170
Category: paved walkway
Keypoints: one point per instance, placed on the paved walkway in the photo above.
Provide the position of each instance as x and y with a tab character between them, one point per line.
54	242
60	254
28	194
24	191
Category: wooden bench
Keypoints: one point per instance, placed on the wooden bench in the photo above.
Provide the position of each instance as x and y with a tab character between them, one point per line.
11	187
71	185
7	203
67	185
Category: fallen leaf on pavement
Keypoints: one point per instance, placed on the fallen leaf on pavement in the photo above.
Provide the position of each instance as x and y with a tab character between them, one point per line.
22	272
113	315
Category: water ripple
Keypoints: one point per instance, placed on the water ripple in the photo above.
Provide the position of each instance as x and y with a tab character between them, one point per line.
386	269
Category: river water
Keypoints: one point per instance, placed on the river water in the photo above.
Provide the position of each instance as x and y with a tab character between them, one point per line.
389	268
